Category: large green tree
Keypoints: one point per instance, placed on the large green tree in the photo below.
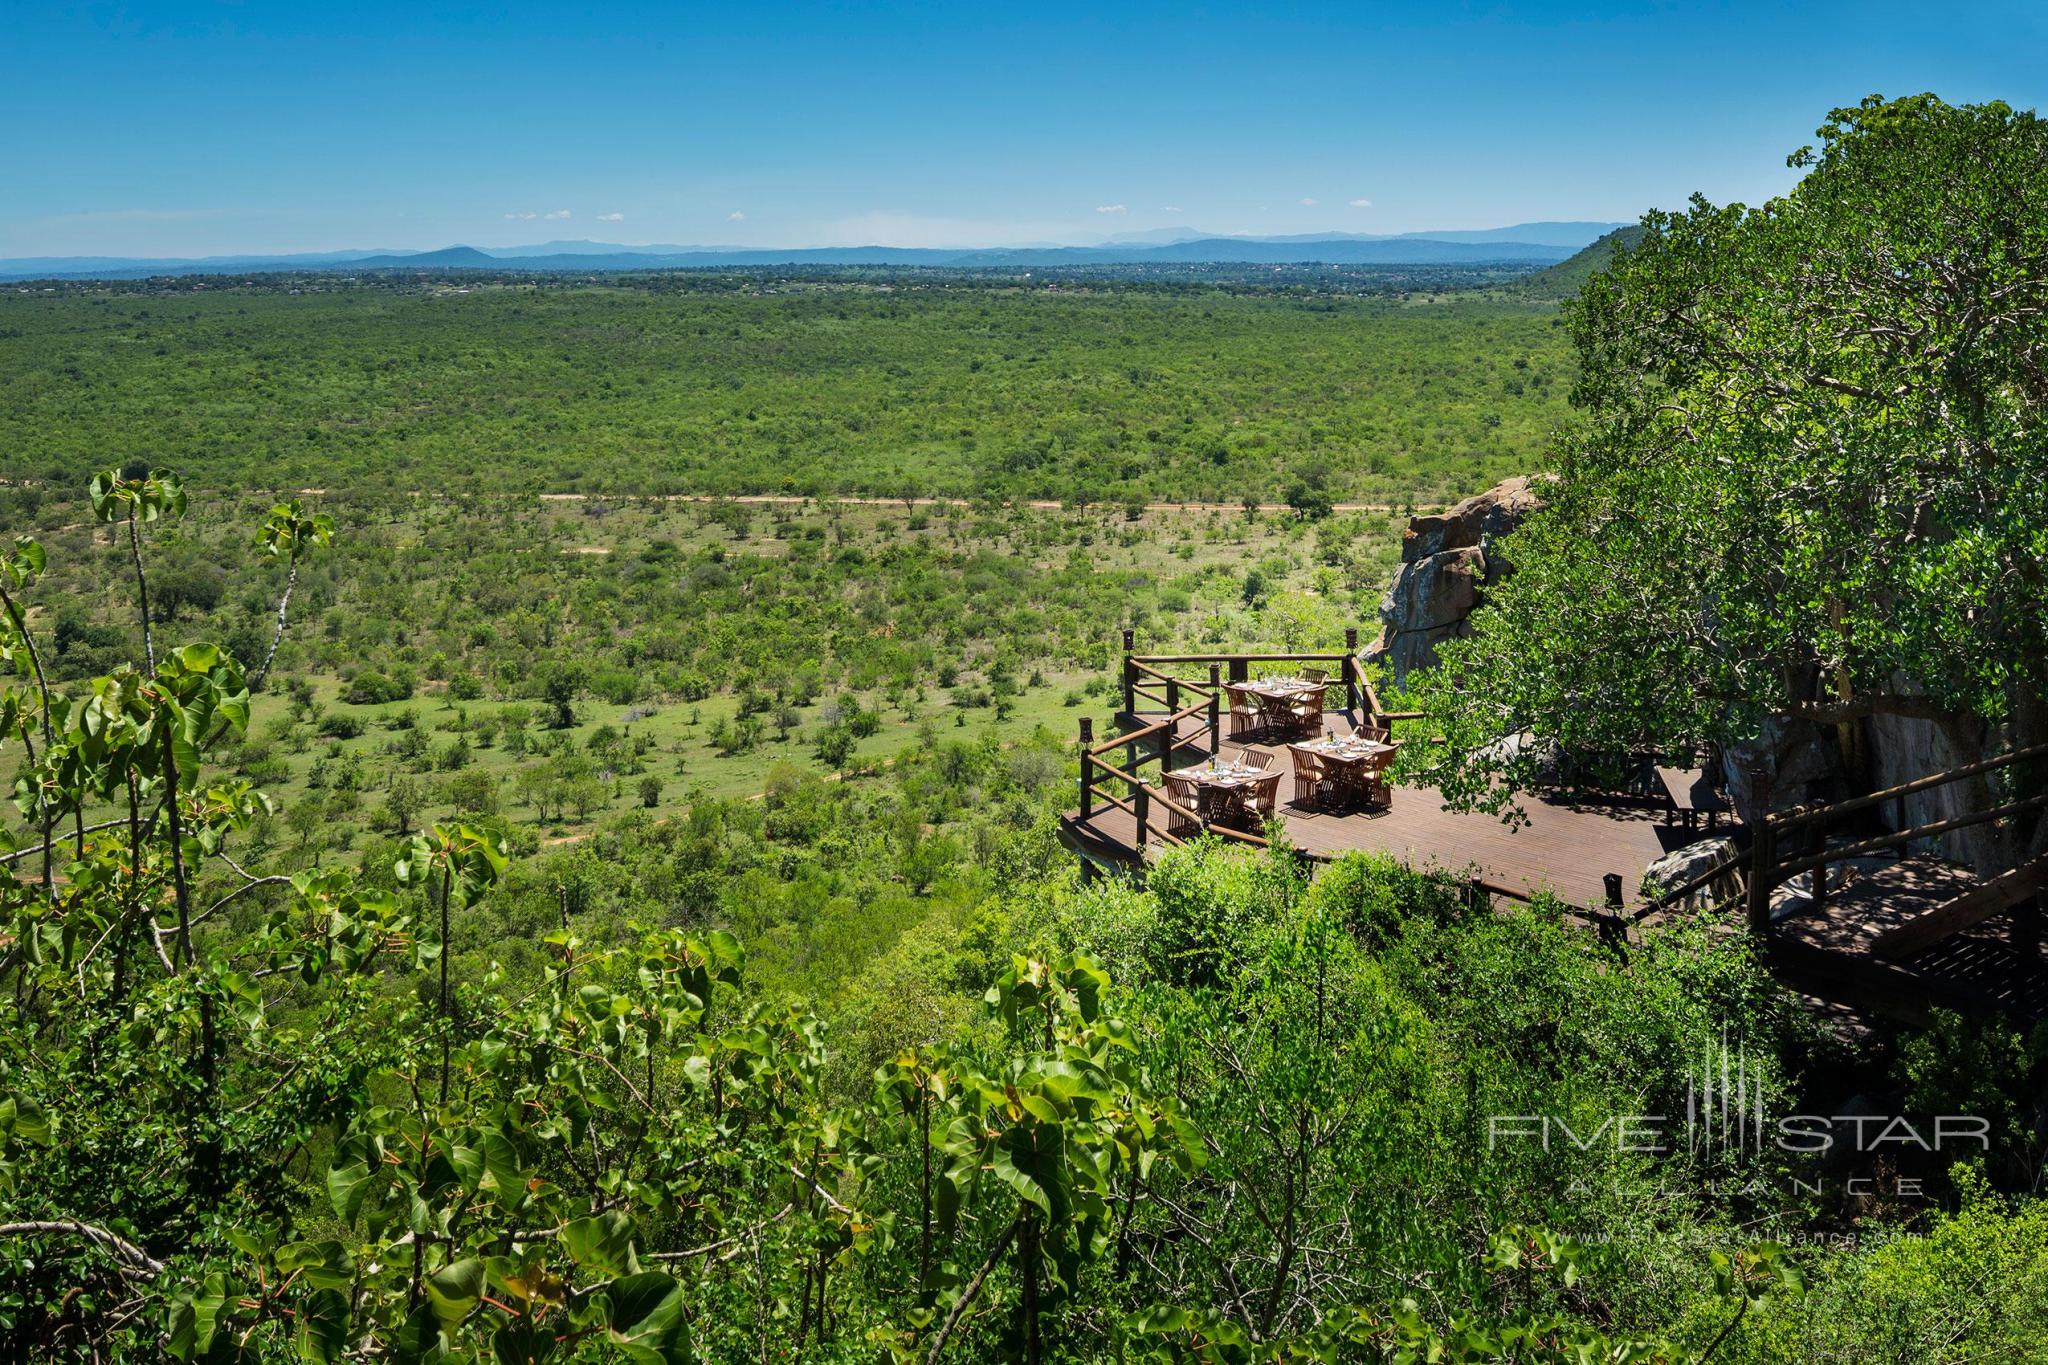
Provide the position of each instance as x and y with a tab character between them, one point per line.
1810	475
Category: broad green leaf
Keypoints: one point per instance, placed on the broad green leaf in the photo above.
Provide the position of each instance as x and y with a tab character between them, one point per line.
322	1334
603	1244
454	1290
644	1317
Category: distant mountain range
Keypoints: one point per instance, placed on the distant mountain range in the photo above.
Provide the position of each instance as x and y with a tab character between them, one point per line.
1521	243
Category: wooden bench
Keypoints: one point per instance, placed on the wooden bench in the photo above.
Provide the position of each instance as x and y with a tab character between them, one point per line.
1691	794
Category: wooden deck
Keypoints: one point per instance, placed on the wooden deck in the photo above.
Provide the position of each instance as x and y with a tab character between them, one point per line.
1566	848
1870	902
1900	936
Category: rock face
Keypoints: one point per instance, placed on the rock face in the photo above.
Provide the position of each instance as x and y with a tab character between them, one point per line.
1447	562
1796	763
1902	749
1675	869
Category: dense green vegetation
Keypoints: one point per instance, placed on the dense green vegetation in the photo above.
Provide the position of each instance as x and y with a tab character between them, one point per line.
453	1104
453	923
1565	279
1811	476
562	661
685	383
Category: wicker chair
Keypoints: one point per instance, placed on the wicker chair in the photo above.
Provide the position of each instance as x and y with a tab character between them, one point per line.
1182	791
1245	711
1260	801
1376	733
1377	789
1312	782
1255	759
1316	675
1305	711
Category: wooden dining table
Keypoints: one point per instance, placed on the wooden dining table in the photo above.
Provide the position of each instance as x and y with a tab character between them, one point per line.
1353	763
1287	702
1226	791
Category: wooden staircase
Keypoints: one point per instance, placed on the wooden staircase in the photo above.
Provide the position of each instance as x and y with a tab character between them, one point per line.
1866	921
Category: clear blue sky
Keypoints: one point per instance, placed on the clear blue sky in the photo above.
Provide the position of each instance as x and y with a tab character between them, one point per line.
160	129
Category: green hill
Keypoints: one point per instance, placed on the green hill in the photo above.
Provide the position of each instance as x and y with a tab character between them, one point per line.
1564	279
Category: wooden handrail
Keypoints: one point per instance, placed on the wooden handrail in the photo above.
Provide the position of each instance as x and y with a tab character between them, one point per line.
1156	795
1192	684
1159	795
1806	815
1782	871
1131	810
1147	731
1237	658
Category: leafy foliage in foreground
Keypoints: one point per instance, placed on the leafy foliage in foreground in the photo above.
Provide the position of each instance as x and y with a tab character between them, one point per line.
275	1124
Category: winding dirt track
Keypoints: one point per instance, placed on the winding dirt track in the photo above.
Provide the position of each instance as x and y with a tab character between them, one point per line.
1035	504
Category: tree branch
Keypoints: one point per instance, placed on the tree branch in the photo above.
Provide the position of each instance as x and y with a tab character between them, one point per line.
133	1258
995	1253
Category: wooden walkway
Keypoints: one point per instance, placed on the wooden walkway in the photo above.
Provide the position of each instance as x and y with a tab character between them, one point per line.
1902	936
1566	848
1870	902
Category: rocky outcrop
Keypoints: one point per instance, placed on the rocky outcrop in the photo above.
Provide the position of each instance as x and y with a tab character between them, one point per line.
1447	563
1675	869
1796	763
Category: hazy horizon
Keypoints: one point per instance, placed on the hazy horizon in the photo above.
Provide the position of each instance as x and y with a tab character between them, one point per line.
157	130
556	244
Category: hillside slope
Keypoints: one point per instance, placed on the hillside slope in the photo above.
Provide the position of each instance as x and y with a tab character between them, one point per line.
1564	279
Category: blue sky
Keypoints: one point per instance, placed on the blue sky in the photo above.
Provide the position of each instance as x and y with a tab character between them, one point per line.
154	129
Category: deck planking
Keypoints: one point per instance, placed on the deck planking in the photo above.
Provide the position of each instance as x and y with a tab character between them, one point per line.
1566	848
1870	901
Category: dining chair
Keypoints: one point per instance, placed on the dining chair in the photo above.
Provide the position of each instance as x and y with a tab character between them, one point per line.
1245	711
1311	776
1316	675
1378	790
1255	759
1182	791
1305	711
1262	798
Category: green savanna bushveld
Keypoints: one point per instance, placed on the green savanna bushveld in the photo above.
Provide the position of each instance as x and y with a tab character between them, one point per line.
450	923
713	385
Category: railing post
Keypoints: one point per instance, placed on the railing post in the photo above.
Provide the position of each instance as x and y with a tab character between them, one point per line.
1087	787
1141	803
1763	855
1475	895
1351	670
1613	930
1130	675
1168	739
1215	711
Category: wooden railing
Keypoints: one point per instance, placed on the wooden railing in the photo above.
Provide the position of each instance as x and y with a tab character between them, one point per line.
1607	920
1767	864
1154	743
1768	870
1149	677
